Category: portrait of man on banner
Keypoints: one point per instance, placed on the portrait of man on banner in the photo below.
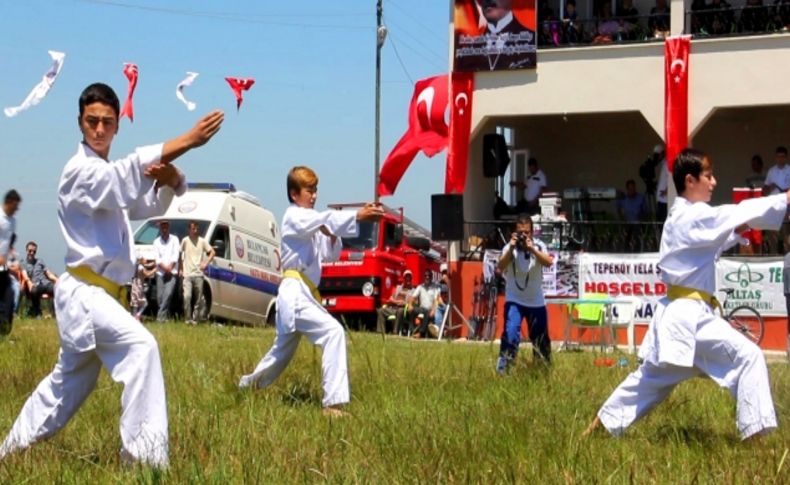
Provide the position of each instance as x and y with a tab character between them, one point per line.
492	35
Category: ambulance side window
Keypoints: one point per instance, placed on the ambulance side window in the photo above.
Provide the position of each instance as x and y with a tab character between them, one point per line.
390	236
220	241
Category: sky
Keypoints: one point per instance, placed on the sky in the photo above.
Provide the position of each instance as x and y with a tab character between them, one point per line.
312	103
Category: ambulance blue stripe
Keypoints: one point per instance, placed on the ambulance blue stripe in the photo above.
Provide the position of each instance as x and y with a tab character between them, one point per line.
245	281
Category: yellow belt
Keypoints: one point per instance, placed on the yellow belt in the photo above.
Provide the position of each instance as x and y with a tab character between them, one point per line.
296	274
675	292
87	275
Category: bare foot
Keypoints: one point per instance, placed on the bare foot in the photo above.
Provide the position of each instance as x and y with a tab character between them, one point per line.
592	427
335	412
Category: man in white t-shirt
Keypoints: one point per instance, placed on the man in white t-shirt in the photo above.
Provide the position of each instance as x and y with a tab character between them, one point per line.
533	188
167	254
423	301
777	179
521	263
7	235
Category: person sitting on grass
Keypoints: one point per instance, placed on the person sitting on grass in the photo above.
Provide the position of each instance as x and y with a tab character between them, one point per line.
687	336
308	238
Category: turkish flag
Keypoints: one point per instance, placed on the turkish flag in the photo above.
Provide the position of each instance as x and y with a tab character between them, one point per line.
463	85
130	71
676	95
238	85
427	132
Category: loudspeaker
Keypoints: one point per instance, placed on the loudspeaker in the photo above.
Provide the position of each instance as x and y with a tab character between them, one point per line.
495	155
447	217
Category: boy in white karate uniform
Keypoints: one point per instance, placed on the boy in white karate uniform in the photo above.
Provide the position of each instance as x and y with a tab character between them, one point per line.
687	338
96	199
308	238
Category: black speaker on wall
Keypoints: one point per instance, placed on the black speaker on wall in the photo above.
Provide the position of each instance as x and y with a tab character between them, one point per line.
447	217
495	155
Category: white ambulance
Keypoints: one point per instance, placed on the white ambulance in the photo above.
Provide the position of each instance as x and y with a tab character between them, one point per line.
242	281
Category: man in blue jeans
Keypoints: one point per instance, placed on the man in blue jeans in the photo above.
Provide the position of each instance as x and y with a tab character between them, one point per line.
521	263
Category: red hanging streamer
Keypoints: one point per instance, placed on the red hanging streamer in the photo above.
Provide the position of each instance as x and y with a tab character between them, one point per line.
130	71
238	85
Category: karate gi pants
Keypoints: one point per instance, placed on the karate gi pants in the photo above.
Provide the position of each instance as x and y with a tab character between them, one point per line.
131	356
321	329
721	353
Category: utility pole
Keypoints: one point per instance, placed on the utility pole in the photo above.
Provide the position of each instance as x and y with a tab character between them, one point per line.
381	35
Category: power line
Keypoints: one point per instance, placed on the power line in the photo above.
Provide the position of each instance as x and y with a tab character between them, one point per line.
237	17
420	54
397	54
428	49
416	20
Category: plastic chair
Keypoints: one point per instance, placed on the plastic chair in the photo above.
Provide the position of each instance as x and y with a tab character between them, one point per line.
587	315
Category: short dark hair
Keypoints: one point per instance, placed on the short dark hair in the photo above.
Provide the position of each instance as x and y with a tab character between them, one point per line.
757	158
99	93
193	223
31	243
630	182
525	219
781	149
688	162
12	196
532	161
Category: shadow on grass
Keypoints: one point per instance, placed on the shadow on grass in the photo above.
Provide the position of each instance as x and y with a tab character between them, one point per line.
299	394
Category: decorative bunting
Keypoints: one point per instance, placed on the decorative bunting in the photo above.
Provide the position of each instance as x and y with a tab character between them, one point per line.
41	89
180	90
130	71
238	85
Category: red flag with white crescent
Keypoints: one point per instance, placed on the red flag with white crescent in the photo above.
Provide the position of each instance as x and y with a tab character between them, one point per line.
427	132
238	85
676	92
130	71
463	85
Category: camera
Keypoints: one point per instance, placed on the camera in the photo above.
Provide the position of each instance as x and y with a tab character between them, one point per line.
522	238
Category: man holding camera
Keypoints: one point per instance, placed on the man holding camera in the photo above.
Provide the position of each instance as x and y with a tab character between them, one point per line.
521	263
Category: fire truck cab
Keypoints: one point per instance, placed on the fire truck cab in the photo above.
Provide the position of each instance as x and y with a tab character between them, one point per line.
371	265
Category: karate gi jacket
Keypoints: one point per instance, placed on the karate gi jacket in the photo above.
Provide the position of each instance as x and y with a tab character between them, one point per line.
96	200
695	235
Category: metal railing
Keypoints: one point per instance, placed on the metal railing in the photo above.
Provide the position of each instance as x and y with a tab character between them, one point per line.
738	21
554	33
596	236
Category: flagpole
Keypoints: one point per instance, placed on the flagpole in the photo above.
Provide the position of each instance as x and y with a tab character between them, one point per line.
381	34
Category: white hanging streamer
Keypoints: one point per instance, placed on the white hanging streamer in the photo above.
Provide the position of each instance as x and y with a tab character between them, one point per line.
40	91
180	90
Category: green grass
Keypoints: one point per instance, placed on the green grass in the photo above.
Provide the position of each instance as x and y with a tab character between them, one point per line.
422	412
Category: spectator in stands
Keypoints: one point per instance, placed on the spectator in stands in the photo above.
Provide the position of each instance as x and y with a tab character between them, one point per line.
781	15
778	178
754	17
395	309
756	179
39	280
776	181
721	18
608	29
572	28
658	22
167	255
632	208
533	188
629	20
698	17
423	301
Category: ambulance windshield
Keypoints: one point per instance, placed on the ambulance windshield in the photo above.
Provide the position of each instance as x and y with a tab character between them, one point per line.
367	238
178	227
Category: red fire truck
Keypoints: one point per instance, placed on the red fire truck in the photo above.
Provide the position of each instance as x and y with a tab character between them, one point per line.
371	265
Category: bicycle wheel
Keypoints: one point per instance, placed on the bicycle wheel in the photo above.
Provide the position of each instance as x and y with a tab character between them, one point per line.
748	321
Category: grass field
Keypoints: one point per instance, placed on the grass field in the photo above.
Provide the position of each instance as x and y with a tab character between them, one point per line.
421	412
